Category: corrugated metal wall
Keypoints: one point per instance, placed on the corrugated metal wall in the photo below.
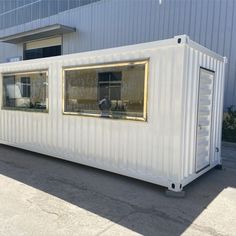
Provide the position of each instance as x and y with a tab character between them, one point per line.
161	150
16	12
195	59
123	146
111	23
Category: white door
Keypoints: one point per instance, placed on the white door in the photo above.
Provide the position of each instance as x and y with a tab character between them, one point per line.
205	104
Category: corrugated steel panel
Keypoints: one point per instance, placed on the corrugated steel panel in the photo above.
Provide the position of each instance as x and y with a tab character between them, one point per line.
194	60
161	150
16	12
112	23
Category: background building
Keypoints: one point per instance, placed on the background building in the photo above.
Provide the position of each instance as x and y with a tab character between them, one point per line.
38	28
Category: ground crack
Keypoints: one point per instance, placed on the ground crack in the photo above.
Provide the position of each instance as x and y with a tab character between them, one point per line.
44	210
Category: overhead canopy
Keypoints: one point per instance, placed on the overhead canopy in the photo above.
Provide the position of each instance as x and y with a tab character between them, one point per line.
43	32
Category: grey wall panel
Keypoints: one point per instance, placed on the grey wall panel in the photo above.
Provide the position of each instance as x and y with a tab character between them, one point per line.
111	23
34	9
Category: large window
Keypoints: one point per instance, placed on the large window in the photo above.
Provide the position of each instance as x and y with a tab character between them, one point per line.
112	90
25	91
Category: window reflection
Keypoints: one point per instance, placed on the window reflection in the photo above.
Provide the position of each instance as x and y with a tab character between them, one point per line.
25	91
112	91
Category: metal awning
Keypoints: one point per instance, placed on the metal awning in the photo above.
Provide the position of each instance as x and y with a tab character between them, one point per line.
43	32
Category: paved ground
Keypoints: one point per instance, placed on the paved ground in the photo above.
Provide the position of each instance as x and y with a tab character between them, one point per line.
45	196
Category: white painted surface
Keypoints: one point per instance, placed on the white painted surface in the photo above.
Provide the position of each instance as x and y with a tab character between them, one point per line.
205	104
161	150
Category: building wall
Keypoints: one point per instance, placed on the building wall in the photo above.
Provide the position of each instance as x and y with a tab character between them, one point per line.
16	12
112	23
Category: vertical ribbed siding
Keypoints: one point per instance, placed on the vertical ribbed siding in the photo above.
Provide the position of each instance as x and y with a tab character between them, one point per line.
146	150
16	12
194	60
161	150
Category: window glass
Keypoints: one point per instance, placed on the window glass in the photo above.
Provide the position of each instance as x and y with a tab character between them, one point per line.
113	91
25	91
42	52
47	47
25	86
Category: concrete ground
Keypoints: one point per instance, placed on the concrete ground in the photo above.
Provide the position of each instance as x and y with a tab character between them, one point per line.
40	195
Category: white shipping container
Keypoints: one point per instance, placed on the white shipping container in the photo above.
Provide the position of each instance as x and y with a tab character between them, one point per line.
177	139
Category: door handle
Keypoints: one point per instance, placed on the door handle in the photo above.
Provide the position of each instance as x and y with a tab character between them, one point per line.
200	126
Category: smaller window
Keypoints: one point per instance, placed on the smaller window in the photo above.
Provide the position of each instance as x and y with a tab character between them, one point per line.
25	91
43	48
42	52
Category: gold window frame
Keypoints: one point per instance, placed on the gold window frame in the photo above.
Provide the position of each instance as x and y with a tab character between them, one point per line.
25	109
144	62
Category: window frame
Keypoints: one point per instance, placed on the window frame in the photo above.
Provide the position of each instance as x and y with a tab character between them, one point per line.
24	73
144	62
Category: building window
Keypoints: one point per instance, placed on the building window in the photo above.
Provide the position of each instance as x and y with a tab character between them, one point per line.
43	48
109	85
25	86
112	90
25	91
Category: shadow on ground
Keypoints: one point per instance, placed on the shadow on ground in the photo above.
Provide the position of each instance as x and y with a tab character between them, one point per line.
136	205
